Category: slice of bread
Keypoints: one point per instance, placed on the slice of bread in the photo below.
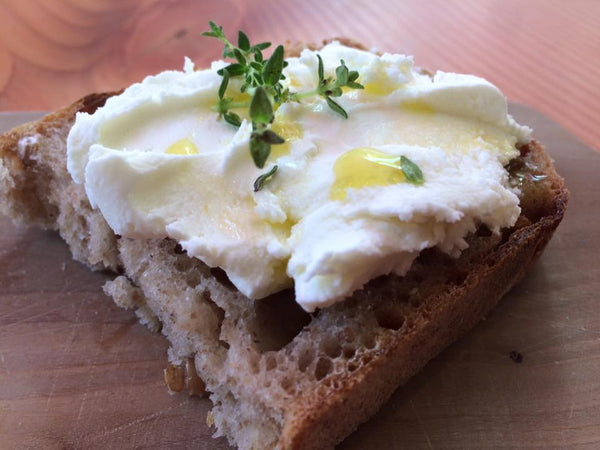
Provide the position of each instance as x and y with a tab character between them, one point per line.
277	376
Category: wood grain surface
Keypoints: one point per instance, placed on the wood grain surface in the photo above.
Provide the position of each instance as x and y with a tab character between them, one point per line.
77	372
542	53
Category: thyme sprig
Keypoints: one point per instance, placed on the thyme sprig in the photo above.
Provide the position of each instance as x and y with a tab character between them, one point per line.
261	79
332	87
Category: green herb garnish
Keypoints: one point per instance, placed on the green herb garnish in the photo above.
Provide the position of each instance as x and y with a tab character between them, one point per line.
261	79
260	181
329	87
411	171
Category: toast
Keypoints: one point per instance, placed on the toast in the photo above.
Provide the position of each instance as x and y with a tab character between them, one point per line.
279	377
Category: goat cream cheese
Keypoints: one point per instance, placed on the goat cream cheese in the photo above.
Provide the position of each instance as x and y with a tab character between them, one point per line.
157	163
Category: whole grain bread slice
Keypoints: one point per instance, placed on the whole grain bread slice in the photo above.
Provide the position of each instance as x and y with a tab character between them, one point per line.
277	376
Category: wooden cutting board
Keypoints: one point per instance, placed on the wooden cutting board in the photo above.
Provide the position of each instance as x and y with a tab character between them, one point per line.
78	372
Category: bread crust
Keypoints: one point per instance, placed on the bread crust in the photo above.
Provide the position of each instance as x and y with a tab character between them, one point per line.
325	404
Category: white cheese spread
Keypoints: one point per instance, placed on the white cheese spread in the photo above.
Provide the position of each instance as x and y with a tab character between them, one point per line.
157	163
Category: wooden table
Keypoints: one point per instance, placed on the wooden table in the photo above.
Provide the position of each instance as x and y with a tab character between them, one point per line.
542	53
77	372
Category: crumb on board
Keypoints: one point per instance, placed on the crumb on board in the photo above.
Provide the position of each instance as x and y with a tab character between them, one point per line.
516	356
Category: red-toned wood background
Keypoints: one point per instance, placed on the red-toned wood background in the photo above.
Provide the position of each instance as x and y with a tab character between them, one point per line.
543	53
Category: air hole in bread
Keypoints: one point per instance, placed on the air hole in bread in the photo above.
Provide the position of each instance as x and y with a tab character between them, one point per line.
305	359
222	278
483	231
390	318
193	278
83	223
270	362
219	314
331	347
368	341
524	149
349	351
287	385
253	365
415	297
457	277
323	368
276	321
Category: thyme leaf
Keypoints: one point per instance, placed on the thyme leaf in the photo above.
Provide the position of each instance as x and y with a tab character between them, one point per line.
264	178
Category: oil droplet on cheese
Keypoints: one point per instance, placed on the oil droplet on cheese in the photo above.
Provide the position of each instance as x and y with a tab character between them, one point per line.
417	106
290	131
378	88
183	146
364	167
